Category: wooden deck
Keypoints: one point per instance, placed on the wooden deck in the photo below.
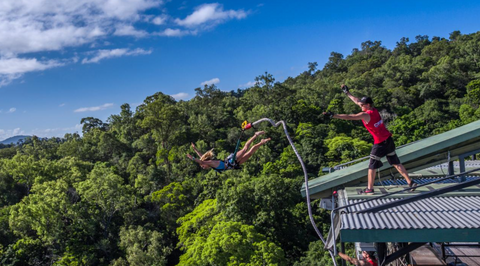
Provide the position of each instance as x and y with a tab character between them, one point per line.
466	251
425	255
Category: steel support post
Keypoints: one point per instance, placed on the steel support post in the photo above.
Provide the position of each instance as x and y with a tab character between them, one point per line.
411	247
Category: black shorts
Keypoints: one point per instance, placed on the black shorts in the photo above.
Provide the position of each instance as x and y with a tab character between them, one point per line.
385	148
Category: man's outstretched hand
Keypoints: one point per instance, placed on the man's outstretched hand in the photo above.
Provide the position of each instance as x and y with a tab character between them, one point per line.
345	88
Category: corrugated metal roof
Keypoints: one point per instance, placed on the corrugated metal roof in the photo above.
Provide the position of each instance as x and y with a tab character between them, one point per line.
431	213
453	216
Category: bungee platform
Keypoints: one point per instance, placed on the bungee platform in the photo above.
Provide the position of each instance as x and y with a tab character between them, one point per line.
442	209
447	147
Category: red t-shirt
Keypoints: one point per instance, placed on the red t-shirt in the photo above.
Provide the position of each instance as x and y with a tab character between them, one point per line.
376	127
373	262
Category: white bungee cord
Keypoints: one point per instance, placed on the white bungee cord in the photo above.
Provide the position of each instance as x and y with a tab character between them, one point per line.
275	124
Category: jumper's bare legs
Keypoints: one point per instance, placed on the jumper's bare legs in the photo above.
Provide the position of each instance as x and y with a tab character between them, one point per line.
241	152
401	169
254	148
371	178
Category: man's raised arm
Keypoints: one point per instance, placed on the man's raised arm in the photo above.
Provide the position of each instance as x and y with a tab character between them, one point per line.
353	98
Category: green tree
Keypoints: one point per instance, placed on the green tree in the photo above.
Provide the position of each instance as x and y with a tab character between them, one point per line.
233	243
407	129
316	256
142	247
207	239
344	149
473	92
271	203
47	211
90	123
160	115
105	197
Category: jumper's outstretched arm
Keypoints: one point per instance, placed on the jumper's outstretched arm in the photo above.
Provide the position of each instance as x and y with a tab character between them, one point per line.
195	149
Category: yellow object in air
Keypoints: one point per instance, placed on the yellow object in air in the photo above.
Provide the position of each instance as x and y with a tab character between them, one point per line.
244	124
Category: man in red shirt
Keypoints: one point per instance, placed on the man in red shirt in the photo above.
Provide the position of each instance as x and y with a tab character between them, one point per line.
383	144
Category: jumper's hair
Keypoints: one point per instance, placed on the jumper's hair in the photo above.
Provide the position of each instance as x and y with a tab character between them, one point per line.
207	156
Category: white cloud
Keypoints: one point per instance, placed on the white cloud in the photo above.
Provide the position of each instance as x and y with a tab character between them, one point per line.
248	84
47	25
129	30
159	20
53	25
14	68
17	131
62	105
5	134
210	13
104	54
56	132
12	110
94	108
6	79
180	96
38	26
210	82
175	32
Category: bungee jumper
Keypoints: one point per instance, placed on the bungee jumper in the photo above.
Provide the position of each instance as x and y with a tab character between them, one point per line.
383	144
234	160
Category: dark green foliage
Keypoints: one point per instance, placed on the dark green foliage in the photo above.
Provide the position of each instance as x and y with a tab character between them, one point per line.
124	193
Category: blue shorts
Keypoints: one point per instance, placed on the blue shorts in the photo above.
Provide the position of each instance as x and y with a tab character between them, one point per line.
228	164
221	166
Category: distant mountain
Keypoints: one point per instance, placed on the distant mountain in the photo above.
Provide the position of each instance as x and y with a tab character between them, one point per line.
14	139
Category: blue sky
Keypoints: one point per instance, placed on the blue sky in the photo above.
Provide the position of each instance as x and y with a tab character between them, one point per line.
64	60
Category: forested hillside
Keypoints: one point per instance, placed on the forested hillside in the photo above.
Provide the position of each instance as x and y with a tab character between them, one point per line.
124	193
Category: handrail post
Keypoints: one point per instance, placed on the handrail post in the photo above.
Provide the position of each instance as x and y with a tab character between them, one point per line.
461	161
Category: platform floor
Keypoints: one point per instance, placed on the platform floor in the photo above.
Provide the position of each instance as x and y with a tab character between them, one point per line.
425	255
356	192
466	251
